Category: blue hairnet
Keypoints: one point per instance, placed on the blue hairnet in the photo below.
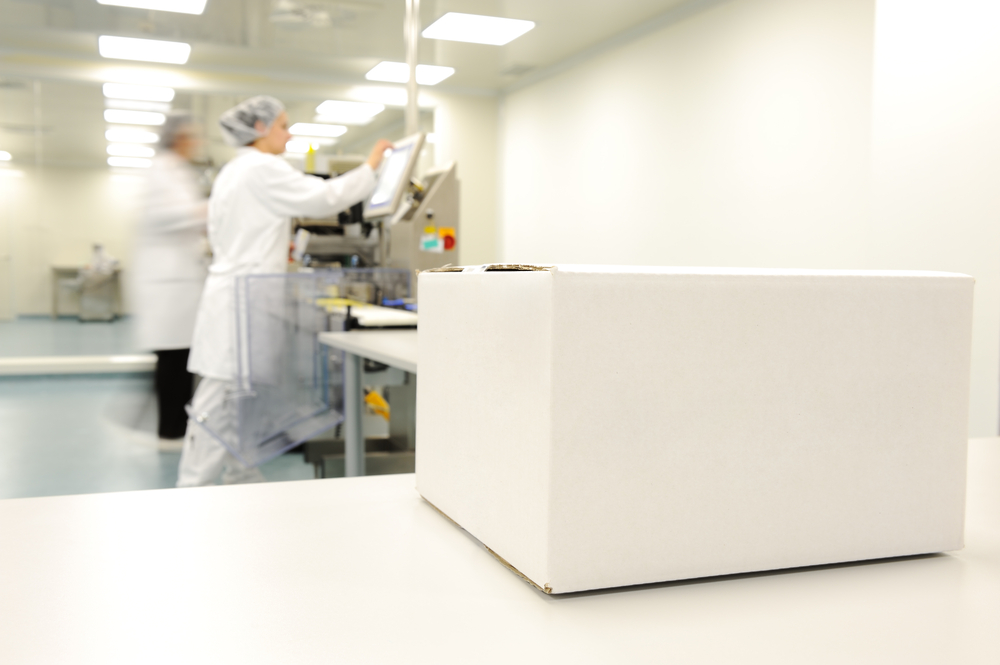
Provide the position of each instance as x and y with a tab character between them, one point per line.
239	123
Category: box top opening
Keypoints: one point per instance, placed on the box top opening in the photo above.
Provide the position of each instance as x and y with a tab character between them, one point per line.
494	267
688	270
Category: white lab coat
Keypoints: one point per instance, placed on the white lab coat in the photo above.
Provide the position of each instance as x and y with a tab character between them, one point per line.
170	264
249	214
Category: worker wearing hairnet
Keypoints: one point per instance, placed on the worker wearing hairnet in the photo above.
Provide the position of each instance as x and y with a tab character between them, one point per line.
252	201
169	271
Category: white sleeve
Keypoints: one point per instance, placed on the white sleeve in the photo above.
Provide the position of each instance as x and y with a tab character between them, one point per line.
290	193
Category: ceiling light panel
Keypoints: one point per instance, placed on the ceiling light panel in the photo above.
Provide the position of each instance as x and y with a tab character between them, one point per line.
398	72
131	136
316	129
146	50
130	162
122	117
130	150
348	113
477	29
136	106
10	173
178	6
141	93
4	156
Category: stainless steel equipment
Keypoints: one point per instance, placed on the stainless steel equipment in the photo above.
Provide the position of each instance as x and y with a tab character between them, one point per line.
419	233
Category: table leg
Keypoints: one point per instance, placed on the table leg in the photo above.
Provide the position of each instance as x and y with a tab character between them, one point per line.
354	441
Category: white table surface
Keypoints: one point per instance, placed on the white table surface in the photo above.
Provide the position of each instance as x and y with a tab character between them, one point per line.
361	570
396	348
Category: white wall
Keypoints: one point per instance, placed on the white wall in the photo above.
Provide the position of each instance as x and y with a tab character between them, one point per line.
936	157
55	216
775	133
739	136
466	129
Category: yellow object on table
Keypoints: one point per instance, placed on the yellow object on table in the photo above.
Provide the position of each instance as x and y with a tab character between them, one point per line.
377	404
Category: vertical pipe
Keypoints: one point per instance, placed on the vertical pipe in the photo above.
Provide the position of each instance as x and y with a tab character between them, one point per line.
37	95
354	441
38	176
8	246
411	35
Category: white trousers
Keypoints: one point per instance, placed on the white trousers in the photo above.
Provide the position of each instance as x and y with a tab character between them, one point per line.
203	458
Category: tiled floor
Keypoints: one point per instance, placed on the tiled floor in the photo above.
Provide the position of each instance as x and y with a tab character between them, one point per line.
82	434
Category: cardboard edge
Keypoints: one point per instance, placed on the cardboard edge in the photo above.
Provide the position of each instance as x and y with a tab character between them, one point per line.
497	267
546	589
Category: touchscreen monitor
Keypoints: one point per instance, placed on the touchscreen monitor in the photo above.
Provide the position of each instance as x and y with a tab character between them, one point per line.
394	177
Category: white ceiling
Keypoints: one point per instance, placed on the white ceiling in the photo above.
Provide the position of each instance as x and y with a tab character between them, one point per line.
303	51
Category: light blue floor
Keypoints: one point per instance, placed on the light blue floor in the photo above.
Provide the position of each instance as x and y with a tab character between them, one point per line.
41	336
84	434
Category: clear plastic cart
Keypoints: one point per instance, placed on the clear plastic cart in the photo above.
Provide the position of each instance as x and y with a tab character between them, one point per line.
290	387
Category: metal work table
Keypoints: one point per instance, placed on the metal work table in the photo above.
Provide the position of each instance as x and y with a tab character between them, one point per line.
63	272
361	570
396	348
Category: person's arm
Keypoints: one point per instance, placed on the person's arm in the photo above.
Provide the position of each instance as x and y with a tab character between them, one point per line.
290	193
287	192
378	152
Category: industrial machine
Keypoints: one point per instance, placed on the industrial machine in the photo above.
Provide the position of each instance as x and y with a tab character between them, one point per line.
408	223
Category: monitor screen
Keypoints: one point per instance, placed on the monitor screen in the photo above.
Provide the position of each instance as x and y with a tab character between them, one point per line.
389	179
394	177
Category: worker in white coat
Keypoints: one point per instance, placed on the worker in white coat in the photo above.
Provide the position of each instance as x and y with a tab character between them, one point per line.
249	229
168	275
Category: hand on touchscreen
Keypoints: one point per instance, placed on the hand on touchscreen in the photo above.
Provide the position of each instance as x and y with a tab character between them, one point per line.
378	152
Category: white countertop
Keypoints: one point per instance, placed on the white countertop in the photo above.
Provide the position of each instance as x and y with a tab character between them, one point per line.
42	365
396	348
361	570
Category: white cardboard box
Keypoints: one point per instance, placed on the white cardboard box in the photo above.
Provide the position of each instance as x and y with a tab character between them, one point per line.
602	426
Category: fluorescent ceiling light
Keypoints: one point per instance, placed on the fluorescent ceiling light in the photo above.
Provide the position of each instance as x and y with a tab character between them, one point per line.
124	72
314	129
142	93
136	106
179	6
10	173
147	50
130	150
398	72
130	162
4	156
297	147
348	113
131	136
134	117
456	27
